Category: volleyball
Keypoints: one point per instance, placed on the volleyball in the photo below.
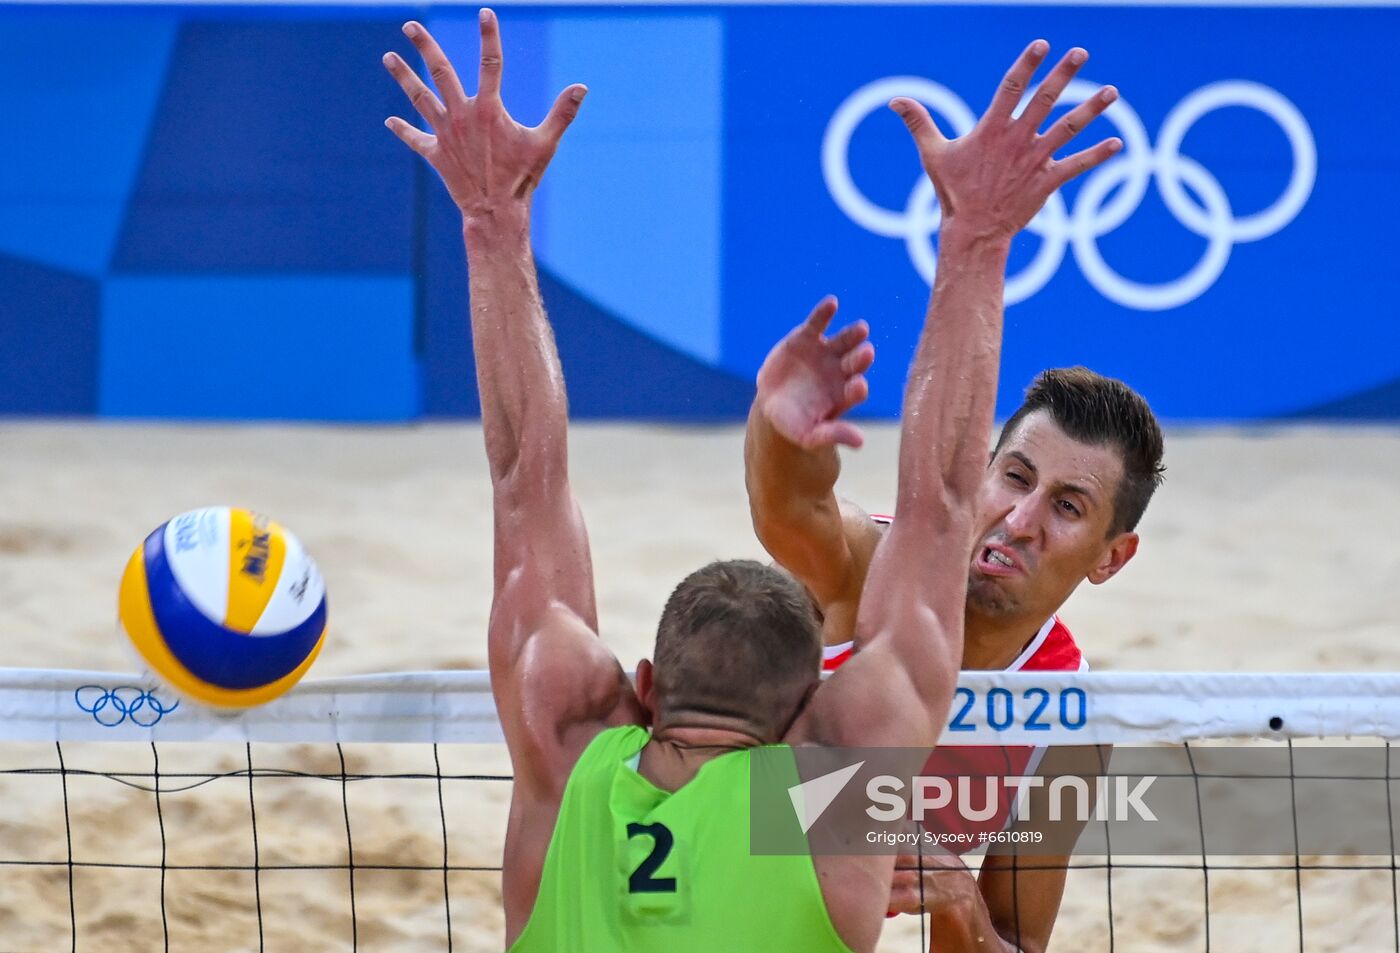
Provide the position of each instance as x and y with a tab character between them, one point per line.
225	606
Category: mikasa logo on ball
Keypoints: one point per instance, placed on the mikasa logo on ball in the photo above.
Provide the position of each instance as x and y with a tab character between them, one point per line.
255	559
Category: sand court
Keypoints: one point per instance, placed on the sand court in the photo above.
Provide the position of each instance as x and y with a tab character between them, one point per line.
1266	550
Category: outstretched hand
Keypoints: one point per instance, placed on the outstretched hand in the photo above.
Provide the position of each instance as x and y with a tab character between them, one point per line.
993	180
487	160
809	380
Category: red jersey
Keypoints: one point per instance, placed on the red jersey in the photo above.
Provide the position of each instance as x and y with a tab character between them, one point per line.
1053	649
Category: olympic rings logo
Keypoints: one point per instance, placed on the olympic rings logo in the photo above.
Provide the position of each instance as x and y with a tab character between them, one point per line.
1094	214
111	707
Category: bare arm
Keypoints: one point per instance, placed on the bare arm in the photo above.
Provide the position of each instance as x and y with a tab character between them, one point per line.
791	464
990	183
908	629
555	682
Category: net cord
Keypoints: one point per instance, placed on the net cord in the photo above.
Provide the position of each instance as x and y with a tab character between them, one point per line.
457	708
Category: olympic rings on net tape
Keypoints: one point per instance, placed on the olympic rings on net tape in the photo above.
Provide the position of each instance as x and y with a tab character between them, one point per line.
113	706
1097	210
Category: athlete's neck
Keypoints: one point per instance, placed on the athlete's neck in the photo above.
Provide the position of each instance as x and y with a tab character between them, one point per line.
991	643
675	753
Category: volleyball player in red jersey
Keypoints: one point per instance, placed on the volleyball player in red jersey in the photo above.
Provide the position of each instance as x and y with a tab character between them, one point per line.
1069	478
1066	484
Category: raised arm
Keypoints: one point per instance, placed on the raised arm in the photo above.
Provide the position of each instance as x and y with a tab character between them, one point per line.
556	684
806	384
990	183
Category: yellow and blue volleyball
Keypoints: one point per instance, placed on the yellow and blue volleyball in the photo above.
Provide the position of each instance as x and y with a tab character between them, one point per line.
225	606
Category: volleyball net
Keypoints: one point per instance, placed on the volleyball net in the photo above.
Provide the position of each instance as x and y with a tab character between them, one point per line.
368	813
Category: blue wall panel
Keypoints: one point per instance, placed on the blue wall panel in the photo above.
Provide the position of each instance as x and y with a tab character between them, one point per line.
48	340
249	347
212	186
612	368
1290	320
78	90
633	199
269	154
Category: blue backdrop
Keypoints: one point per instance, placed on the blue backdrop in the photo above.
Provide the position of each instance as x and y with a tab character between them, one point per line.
201	214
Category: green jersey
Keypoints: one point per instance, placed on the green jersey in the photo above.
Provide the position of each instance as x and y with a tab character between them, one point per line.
631	867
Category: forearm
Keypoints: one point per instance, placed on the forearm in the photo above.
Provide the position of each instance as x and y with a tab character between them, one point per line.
785	481
524	408
951	395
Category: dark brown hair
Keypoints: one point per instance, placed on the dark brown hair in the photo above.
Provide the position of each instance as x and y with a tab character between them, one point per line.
739	639
1101	411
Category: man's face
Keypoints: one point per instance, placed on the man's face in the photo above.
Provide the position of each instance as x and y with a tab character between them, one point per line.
1043	517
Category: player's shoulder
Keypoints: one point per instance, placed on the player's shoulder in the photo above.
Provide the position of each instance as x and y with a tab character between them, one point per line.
1052	650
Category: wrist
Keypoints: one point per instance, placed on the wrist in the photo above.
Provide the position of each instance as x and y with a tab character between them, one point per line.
496	226
966	238
956	919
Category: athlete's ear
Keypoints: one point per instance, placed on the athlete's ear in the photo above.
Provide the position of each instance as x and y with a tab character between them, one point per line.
1120	549
646	688
801	707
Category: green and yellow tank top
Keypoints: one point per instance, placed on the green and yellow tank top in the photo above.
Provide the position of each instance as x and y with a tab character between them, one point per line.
631	867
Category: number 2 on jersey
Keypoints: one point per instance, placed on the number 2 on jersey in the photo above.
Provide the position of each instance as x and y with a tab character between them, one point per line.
642	880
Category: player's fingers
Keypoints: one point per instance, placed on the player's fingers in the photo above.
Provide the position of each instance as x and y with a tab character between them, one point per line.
1048	93
1073	122
904	891
858	359
848	337
854	392
920	124
563	112
439	67
1016	81
1081	162
422	98
833	432
821	316
416	139
492	60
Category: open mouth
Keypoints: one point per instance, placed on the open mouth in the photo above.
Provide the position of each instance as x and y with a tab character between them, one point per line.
997	561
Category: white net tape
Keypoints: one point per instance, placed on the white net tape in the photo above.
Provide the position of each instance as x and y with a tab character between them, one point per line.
456	708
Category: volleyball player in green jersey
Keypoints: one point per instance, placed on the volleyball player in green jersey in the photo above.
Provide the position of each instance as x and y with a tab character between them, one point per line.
628	825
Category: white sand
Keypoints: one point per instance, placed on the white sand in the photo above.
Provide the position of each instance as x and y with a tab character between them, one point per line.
1264	551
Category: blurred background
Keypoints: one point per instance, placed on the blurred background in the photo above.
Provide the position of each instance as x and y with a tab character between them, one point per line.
201	215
